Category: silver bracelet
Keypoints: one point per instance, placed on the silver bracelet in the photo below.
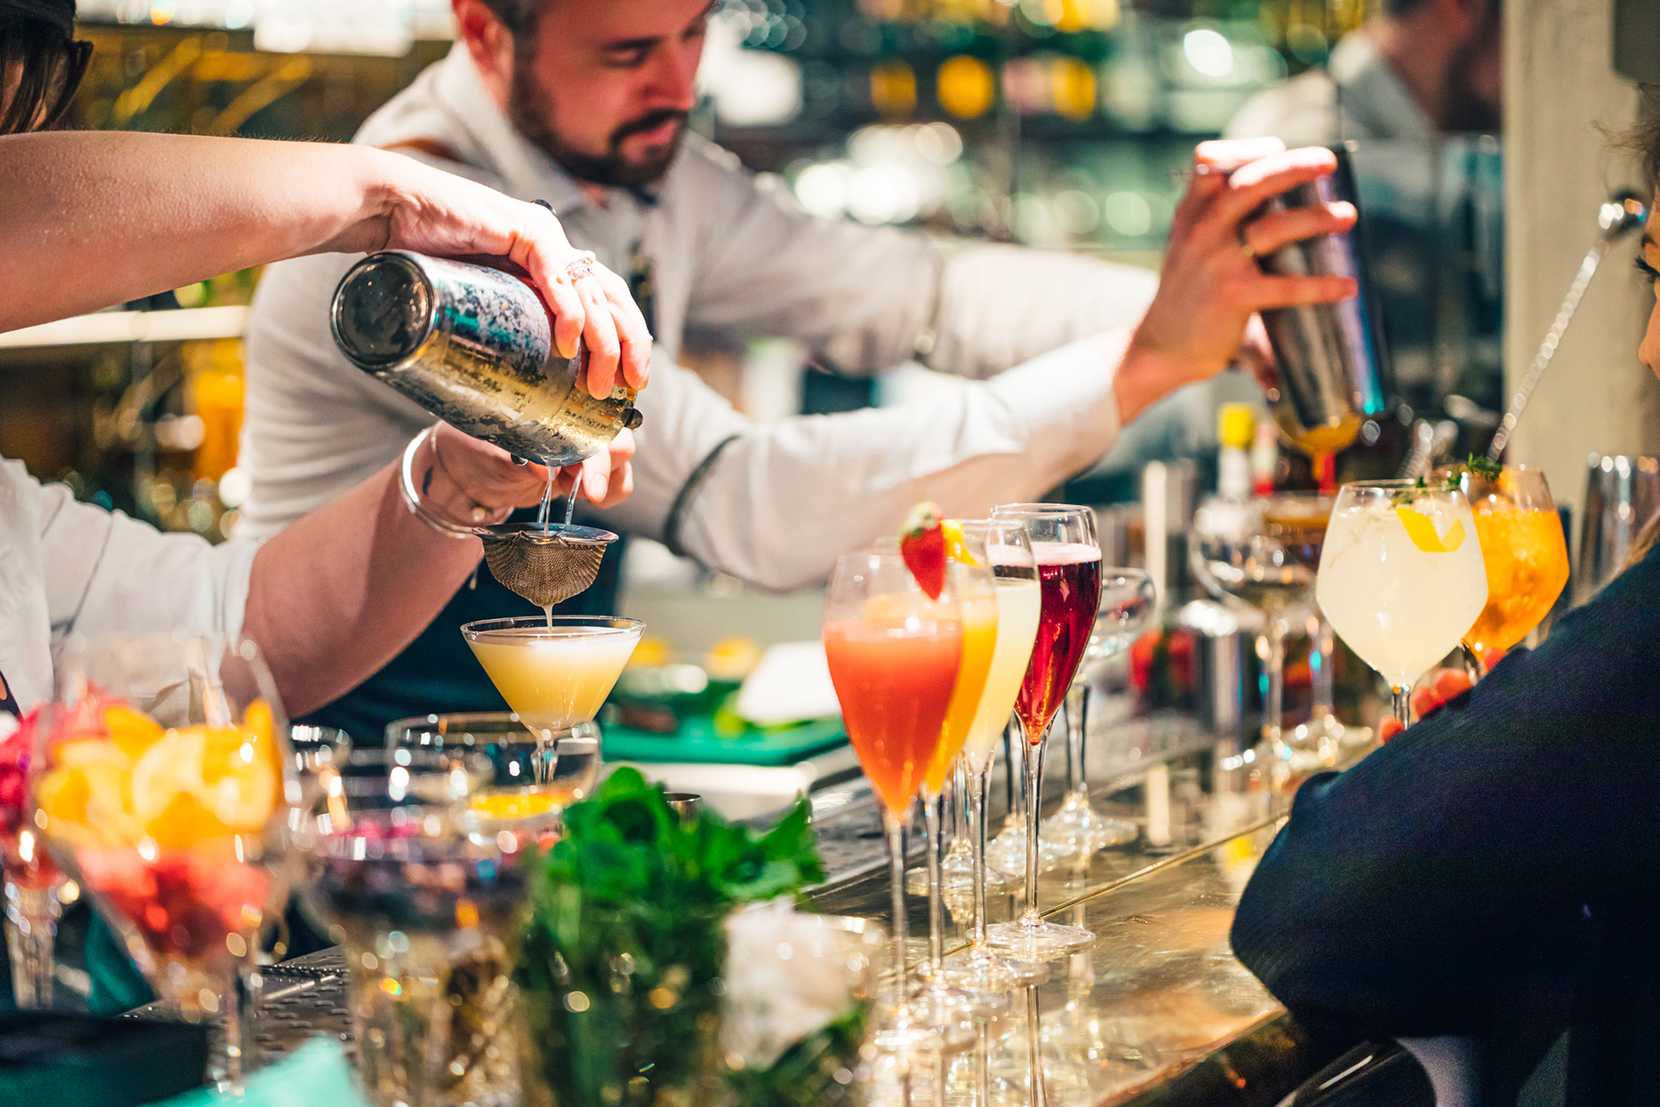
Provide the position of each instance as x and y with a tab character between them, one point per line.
412	496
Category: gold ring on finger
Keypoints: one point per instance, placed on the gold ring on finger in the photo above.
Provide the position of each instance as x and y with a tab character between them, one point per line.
1245	244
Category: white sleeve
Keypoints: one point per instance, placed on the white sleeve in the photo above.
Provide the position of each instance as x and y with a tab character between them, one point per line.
866	299
315	425
107	572
777	502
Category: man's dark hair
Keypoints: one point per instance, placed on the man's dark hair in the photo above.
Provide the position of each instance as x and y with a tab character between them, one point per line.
37	48
518	16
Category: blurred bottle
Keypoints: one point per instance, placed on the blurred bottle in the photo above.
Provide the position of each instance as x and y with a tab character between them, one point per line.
1236	426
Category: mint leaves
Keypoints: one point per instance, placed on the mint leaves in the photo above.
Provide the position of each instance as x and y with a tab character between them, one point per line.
621	961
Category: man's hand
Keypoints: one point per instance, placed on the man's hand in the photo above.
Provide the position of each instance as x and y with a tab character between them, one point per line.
1211	287
1428	698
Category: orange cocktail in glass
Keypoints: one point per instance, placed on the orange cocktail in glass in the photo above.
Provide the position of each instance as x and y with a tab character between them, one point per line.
1525	553
893	655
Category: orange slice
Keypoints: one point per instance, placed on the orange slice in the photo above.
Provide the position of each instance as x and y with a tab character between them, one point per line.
132	732
169	768
184	822
1421	529
239	780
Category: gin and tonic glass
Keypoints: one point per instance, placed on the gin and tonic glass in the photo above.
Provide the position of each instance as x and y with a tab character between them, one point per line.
1401	578
1524	552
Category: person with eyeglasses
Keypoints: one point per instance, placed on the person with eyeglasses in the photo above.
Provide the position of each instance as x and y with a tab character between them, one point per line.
92	219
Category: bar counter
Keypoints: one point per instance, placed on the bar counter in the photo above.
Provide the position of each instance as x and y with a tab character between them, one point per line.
1157	1011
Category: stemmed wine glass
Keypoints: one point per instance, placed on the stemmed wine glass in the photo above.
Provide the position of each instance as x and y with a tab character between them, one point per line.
427	900
1264	554
165	779
979	971
970	575
33	883
894	655
1077	829
1524	552
1068	556
1401	577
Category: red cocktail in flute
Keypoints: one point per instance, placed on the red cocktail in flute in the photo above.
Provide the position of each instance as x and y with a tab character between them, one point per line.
1068	556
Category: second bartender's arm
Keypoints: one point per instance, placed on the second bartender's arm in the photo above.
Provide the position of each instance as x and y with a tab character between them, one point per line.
774	503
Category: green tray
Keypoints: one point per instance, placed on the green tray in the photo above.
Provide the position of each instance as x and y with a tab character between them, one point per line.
696	742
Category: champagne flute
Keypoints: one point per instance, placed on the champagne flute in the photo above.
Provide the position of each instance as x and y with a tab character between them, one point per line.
1401	578
1068	556
977	611
894	655
1014	572
166	778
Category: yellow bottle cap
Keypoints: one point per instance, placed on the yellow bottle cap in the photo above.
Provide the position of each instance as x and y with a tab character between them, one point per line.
1236	426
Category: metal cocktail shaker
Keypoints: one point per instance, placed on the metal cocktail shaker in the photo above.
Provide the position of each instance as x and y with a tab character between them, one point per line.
474	346
1330	361
1622	494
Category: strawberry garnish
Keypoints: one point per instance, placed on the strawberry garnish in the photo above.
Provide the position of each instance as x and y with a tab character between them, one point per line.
922	545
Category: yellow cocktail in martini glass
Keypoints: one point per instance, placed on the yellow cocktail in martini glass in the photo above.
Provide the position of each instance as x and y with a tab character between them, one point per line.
554	672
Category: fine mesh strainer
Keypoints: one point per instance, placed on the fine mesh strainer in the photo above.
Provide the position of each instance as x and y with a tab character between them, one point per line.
547	565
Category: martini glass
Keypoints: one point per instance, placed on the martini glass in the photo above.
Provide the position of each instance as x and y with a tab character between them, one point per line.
980	971
1524	553
894	655
554	671
1077	829
164	780
1264	554
1068	557
427	904
1401	578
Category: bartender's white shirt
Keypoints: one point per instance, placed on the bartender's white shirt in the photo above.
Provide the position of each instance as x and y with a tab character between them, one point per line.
68	567
773	503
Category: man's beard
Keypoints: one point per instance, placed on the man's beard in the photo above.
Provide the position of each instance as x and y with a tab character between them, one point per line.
1467	111
529	108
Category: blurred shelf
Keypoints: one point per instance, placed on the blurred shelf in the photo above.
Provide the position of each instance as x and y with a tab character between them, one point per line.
182	325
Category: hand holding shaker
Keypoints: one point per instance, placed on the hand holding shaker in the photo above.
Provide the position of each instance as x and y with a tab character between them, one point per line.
474	346
1330	361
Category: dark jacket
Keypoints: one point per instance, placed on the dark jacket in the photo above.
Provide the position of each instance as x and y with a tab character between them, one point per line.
1495	870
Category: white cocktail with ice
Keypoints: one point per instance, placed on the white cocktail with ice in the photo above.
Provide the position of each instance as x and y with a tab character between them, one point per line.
1401	577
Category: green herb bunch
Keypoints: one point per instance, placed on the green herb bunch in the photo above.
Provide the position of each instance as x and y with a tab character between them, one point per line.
1452	479
622	958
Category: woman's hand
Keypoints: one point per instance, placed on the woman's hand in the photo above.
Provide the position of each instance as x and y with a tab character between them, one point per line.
480	474
418	207
1211	287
